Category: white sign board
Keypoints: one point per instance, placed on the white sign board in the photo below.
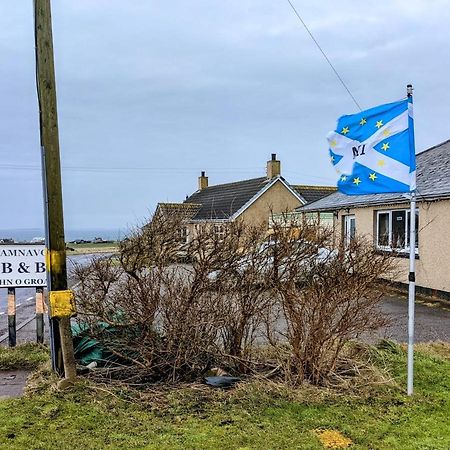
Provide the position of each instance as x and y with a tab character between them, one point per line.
22	266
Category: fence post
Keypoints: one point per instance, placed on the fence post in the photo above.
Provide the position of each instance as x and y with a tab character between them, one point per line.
39	315
12	316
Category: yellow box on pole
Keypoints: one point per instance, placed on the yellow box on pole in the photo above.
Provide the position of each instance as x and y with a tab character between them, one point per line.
62	304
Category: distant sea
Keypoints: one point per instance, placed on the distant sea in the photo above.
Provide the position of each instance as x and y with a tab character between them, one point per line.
88	234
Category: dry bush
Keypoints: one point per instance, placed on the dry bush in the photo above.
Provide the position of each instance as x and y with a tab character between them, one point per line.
163	320
329	299
245	284
170	320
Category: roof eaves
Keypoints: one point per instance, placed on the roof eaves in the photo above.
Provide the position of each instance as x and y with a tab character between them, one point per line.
179	205
194	221
383	202
319	188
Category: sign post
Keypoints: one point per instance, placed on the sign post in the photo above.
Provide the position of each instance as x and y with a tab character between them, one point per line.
39	315
12	316
23	265
412	272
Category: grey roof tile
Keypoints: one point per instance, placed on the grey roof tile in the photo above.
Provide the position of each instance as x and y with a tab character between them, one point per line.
185	210
313	193
223	200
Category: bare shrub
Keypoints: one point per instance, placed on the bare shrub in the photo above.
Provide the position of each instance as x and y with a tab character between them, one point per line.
245	283
161	319
329	299
166	318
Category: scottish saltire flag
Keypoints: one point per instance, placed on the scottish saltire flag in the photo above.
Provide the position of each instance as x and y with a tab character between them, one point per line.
373	151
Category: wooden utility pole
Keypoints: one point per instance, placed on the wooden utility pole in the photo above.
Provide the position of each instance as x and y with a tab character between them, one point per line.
63	360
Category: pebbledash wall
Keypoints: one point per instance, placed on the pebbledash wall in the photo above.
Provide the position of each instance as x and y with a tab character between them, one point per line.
277	199
433	261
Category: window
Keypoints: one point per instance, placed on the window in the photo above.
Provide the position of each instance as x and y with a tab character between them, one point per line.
326	219
311	218
219	231
393	230
349	228
182	234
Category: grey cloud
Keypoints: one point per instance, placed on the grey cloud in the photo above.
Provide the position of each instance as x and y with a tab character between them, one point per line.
191	85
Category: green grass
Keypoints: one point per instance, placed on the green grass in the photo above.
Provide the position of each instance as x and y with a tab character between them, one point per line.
103	247
26	356
252	416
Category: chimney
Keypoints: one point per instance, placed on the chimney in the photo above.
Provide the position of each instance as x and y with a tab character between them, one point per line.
273	167
202	181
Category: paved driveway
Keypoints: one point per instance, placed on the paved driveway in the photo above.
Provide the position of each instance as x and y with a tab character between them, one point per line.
432	320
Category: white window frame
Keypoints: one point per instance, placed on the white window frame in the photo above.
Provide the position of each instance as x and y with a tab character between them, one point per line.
389	247
347	228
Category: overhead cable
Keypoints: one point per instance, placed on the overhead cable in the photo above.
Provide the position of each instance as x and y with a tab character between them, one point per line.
324	54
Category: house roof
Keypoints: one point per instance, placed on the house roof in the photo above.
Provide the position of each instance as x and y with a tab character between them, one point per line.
185	210
313	193
223	201
433	183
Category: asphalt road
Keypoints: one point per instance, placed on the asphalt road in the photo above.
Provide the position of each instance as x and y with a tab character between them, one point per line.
432	321
25	306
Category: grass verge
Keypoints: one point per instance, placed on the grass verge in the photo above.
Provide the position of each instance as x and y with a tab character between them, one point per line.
26	356
255	415
87	248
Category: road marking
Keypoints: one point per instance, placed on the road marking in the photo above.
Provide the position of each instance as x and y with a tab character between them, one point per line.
18	304
20	326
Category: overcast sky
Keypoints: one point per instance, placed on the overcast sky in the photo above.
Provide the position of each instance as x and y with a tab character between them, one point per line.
152	92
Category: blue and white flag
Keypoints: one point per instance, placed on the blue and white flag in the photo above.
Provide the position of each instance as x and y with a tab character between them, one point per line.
373	151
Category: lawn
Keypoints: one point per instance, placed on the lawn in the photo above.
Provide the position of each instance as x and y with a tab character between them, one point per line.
89	247
255	415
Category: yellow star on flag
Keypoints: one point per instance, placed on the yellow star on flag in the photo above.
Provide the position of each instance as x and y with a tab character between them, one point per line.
385	146
345	130
381	162
343	178
363	121
379	124
333	143
332	158
356	181
372	176
386	132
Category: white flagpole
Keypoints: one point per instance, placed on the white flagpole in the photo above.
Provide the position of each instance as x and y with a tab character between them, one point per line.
412	283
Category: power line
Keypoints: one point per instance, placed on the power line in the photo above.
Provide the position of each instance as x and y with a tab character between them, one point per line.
130	169
112	170
324	55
